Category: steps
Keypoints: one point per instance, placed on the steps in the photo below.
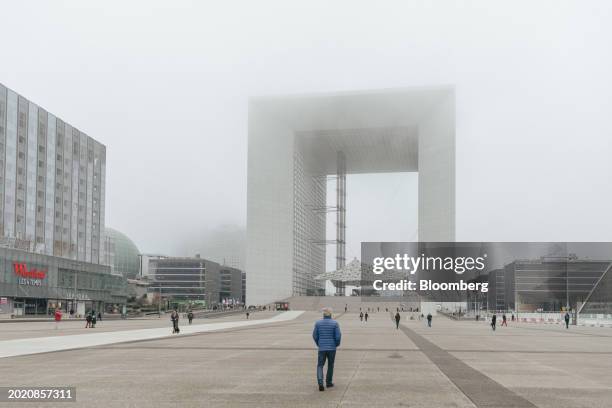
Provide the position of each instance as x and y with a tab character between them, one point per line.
337	303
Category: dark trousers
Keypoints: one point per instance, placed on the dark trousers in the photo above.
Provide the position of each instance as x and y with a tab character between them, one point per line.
397	324
330	355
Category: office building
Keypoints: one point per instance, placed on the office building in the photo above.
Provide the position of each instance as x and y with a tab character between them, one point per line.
194	279
551	285
52	179
54	183
297	143
230	288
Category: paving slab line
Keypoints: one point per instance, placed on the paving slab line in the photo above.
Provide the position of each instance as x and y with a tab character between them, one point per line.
483	391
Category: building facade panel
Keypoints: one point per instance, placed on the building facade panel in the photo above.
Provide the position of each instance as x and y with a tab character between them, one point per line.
35	284
2	154
52	200
10	165
49	206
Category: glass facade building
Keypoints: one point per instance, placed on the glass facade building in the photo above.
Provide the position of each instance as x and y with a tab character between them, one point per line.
53	179
195	279
36	284
551	285
52	194
121	254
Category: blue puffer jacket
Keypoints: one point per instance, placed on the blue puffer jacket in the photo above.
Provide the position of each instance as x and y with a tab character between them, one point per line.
326	334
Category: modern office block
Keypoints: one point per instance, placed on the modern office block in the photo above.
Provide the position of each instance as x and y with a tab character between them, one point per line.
297	142
53	179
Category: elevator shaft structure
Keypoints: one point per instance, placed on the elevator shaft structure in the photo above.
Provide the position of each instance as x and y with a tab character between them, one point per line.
340	219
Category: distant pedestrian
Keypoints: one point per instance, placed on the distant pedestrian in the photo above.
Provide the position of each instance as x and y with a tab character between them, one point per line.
345	308
88	320
247	314
504	321
174	317
71	312
100	316
190	316
327	336
512	317
429	317
361	316
366	317
397	320
58	318
378	309
493	321
93	319
567	320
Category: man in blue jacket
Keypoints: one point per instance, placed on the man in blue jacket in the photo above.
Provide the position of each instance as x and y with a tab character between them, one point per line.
326	335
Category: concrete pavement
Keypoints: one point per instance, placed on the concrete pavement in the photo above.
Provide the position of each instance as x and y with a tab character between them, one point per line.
25	346
452	364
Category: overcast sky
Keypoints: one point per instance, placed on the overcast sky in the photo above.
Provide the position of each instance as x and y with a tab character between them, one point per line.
165	86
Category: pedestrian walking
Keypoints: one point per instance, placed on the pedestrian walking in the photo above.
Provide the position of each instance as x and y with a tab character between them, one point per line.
429	317
100	316
567	320
174	317
397	320
493	321
247	314
190	316
88	320
504	321
327	336
366	317
361	316
58	317
512	317
93	319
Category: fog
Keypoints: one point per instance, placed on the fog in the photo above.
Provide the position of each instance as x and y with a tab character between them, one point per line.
165	86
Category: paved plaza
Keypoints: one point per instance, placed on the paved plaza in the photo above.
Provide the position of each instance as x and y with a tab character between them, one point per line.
452	364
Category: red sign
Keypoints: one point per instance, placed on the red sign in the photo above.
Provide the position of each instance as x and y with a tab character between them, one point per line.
21	269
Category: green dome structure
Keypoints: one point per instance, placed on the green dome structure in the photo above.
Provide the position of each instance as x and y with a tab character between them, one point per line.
124	254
